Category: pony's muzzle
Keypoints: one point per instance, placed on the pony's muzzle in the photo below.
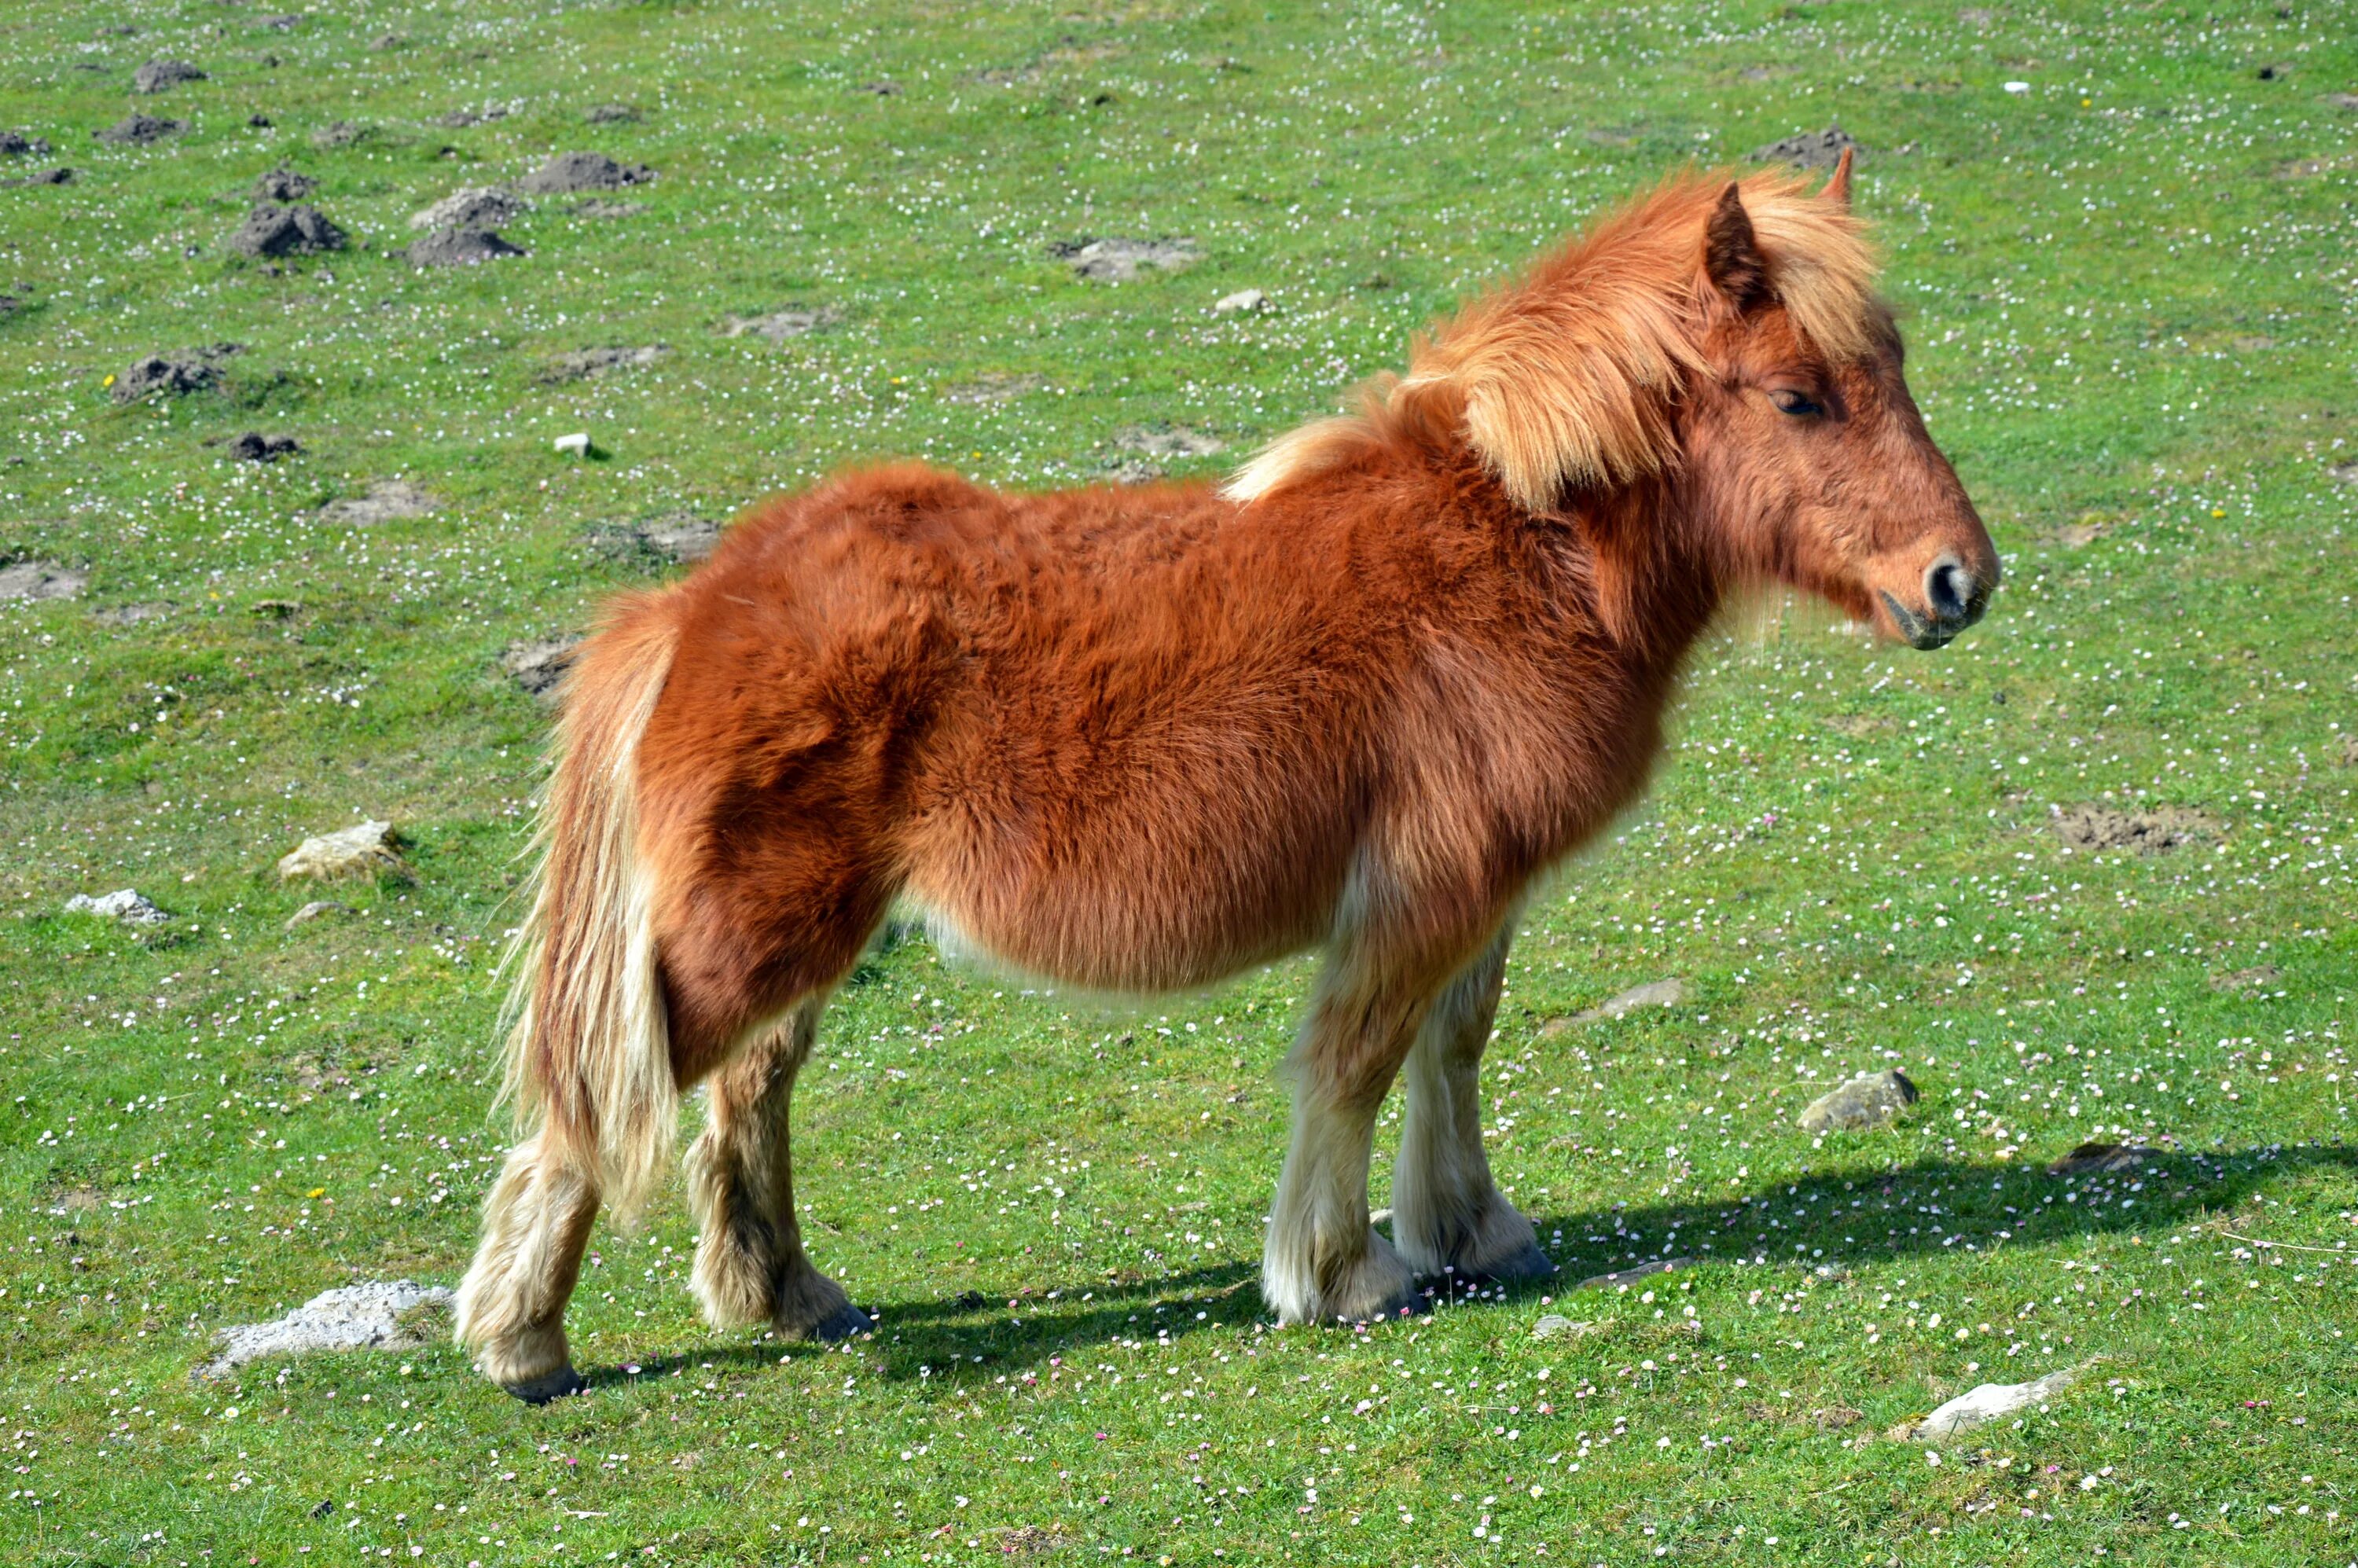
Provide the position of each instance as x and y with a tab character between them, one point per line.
1955	598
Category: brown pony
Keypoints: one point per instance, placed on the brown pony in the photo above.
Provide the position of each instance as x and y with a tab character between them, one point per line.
1138	739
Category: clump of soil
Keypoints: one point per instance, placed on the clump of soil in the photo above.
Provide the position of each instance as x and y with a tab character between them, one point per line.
569	172
479	207
610	115
173	375
387	501
373	1316
459	119
539	666
270	230
41	579
284	184
597	362
46	176
793	321
140	129
994	386
2347	474
1812	149
342	133
459	247
254	447
364	849
1118	260
17	144
2146	832
159	74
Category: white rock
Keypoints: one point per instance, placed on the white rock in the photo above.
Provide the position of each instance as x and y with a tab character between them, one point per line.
1989	1403
122	904
2017	87
577	444
353	1317
364	849
1247	299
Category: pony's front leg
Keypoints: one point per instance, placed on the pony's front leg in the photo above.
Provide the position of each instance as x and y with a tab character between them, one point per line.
1447	1213
750	1263
1324	1262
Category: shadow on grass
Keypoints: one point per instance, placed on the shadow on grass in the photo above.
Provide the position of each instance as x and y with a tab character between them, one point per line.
1903	1211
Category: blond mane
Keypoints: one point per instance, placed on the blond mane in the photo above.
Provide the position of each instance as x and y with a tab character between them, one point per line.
1567	377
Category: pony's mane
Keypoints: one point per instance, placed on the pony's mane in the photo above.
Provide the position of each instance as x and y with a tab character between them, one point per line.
1567	377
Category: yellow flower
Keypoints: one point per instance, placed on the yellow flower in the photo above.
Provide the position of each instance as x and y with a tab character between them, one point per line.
317	1192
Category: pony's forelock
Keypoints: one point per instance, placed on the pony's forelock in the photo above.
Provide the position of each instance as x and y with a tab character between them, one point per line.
1567	377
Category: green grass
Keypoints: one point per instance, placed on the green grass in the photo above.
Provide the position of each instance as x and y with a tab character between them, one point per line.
2128	294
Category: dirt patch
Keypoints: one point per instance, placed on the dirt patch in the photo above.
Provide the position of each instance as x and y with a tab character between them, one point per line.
1859	726
994	386
792	321
2347	474
1173	441
2083	530
46	176
172	375
2248	979
459	119
1031	1541
137	130
600	207
539	666
254	447
459	247
284	184
158	75
364	849
2349	751
2343	100
19	143
610	115
340	134
1812	149
569	172
317	909
597	362
130	614
1654	993
124	904
395	1315
41	579
479	207
387	501
1118	260
2145	832
680	536
270	230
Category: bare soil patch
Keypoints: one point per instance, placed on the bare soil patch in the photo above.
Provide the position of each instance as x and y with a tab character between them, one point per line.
994	386
569	172
2093	826
1812	149
272	230
1118	260
589	363
41	579
137	130
777	326
284	184
459	247
172	375
539	665
158	75
480	207
387	501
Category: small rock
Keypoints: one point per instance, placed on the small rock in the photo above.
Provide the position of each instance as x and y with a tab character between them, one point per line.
316	909
158	74
173	375
880	89
780	324
254	447
282	24
2089	1158
41	579
610	115
374	1316
1118	260
124	904
1555	1325
459	119
539	666
386	43
2146	832
342	133
597	362
682	536
1177	441
569	172
46	176
459	247
576	445
284	184
17	144
1654	993
1812	149
1989	1403
271	231
141	129
364	849
1248	300
1868	1101
1625	1276
387	501
476	207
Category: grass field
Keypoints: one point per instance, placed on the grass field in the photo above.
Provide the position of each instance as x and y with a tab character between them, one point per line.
2128	290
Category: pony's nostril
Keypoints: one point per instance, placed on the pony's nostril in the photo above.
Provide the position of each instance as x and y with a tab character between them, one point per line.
1948	589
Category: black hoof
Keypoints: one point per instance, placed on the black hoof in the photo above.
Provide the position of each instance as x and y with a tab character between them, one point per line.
560	1384
1410	1303
1529	1264
843	1324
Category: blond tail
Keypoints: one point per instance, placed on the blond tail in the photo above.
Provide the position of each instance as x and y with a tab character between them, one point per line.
588	1044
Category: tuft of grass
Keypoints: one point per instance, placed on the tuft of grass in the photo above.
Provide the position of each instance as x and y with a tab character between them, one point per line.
2126	292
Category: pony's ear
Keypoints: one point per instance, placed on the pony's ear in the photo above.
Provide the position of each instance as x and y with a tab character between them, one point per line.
1837	189
1732	258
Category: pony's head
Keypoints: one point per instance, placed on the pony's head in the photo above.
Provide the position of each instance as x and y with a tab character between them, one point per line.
1806	459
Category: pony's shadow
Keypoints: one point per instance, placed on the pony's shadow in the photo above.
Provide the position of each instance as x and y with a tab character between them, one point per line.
956	1341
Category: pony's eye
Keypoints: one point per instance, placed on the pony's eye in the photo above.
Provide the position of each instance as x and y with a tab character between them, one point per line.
1795	404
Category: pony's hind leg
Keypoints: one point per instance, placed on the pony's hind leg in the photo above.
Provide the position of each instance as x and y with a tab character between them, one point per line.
510	1309
1447	1214
749	1264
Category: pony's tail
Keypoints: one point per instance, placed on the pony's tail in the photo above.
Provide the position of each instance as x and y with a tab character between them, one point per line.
589	1041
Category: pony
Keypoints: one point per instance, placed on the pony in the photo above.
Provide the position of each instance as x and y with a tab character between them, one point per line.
1135	739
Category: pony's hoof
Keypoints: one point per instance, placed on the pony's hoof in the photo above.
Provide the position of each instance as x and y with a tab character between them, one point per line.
560	1384
1530	1263
846	1323
1411	1301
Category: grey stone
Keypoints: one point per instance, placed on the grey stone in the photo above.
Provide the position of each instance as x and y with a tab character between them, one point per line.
1247	301
1118	260
124	904
1177	441
364	849
793	321
374	1316
1989	1403
476	207
1868	1101
316	909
